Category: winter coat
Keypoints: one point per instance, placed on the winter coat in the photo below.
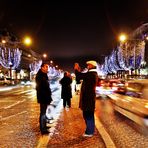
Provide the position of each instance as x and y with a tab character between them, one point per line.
43	88
66	87
88	89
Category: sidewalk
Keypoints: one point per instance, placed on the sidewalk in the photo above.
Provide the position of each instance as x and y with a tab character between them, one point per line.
69	130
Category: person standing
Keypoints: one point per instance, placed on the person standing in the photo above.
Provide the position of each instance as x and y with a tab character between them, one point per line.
78	82
66	93
43	95
88	95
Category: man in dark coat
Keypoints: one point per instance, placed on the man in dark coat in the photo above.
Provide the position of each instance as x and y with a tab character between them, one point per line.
66	93
43	95
88	95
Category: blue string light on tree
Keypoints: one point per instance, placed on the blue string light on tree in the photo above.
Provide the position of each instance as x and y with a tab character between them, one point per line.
8	55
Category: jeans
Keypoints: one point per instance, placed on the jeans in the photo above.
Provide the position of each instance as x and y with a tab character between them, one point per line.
42	119
90	122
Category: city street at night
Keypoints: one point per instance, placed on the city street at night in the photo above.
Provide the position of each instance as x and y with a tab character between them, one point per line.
19	113
74	74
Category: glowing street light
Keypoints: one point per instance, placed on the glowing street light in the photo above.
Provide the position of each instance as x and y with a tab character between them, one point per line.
29	55
27	41
56	66
51	62
44	55
4	41
122	37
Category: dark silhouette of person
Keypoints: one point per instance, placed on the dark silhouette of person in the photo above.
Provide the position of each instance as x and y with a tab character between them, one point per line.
43	95
66	92
78	82
88	95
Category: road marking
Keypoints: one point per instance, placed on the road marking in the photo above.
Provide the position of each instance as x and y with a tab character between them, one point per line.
106	137
18	102
2	119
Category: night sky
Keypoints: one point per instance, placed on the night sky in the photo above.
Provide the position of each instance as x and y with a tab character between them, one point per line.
71	31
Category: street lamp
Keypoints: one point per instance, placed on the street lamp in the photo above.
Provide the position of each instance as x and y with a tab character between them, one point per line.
4	41
51	62
45	55
29	55
27	41
122	37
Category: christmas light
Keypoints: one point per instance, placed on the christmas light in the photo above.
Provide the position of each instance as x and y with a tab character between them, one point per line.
10	57
35	66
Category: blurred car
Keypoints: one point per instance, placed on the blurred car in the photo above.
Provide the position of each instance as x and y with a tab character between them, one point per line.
103	89
117	85
102	82
137	88
26	83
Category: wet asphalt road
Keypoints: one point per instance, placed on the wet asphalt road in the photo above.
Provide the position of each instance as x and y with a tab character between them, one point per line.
19	126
